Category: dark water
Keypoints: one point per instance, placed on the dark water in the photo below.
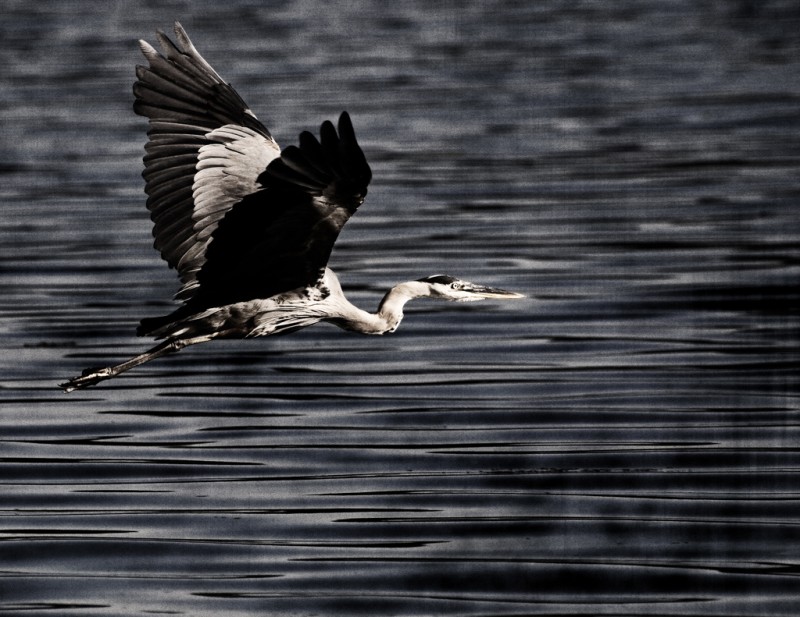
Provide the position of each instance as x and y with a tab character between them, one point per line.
626	441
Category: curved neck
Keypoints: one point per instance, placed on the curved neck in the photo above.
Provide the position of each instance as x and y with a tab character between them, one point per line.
391	307
390	310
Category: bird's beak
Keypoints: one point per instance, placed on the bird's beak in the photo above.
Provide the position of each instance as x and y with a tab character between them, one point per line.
492	292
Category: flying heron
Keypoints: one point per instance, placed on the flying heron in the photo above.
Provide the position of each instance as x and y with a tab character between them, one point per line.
249	227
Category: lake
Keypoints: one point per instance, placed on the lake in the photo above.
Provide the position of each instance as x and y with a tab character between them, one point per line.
625	441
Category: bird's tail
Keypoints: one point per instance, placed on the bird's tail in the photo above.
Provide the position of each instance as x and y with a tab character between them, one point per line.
150	326
159	327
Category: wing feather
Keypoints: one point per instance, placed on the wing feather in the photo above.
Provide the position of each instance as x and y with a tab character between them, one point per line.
205	152
280	238
236	217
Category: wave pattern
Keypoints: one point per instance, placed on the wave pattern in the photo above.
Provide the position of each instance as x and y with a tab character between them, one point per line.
625	441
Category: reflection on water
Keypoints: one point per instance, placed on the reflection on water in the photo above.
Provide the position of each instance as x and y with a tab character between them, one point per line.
622	442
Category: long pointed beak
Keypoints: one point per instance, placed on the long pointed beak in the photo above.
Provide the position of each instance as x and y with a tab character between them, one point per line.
492	292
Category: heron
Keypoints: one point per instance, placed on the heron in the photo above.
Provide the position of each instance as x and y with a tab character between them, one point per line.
249	227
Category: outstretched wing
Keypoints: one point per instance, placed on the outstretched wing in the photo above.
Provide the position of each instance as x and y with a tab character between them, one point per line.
235	216
205	152
280	237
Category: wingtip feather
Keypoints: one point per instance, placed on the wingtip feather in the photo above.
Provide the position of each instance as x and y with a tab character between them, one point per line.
169	48
183	38
345	128
148	51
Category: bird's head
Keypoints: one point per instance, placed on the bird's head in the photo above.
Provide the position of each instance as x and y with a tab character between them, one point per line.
449	288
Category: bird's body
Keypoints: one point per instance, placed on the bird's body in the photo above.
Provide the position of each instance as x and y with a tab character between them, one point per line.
289	311
249	227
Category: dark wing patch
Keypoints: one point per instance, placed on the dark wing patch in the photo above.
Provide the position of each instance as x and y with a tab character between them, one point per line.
442	279
281	237
205	151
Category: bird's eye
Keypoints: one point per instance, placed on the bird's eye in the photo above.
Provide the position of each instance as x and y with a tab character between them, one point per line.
455	285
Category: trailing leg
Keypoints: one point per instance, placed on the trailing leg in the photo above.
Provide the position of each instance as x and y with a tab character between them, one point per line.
93	376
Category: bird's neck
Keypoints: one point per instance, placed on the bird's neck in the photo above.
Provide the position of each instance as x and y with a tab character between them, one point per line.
391	307
390	310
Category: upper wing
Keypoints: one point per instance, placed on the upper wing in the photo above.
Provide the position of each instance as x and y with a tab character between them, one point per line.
205	152
280	237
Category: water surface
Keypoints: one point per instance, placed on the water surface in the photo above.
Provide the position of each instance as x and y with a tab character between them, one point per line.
624	441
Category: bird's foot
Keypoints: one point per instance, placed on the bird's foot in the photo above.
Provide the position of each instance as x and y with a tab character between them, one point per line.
89	377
